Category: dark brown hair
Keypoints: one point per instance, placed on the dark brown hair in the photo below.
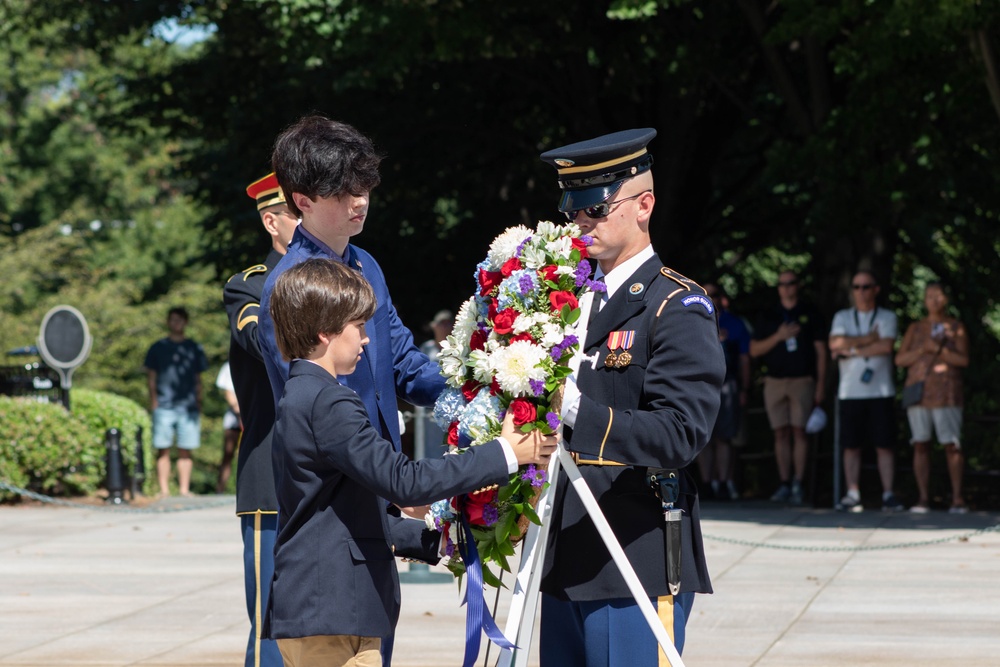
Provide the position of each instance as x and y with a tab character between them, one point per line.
319	157
314	297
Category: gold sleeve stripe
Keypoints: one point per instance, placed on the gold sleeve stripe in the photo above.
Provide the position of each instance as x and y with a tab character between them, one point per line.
242	321
611	418
257	268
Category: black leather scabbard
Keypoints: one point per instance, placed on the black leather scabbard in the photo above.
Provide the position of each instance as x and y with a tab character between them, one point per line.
673	547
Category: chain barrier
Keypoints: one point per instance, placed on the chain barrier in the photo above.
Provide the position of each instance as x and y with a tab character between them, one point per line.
218	502
877	547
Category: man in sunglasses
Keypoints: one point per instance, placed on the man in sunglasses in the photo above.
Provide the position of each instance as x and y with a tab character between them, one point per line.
643	402
790	340
862	339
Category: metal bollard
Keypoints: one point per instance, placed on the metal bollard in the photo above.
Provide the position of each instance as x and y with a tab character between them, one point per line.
115	481
139	472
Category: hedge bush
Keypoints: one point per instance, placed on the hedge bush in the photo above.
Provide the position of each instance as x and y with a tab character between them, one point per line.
46	449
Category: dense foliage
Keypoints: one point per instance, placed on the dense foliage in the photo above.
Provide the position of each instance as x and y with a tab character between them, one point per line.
821	136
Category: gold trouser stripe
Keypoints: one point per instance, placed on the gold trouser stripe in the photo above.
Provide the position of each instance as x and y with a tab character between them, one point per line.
665	610
256	573
611	417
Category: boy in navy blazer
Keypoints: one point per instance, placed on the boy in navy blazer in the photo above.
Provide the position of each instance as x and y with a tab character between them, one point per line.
335	590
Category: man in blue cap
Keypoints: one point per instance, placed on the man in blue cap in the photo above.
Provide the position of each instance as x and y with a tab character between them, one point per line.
642	405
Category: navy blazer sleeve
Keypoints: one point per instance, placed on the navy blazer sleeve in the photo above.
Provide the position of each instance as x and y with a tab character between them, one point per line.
348	442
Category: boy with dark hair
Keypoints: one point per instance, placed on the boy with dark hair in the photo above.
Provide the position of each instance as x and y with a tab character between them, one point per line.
327	170
335	590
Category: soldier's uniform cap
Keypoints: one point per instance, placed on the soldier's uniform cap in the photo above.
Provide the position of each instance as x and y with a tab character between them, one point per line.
592	171
266	191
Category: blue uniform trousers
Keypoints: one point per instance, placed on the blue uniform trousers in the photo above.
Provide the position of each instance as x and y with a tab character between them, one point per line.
608	633
259	531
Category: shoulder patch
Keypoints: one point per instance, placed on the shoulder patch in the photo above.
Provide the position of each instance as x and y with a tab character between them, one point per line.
700	300
256	268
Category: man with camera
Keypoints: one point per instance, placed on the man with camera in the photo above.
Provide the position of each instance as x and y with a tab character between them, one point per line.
862	339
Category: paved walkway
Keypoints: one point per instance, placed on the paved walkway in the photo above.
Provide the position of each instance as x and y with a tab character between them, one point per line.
163	587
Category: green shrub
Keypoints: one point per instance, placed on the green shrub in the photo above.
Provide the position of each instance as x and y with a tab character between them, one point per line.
46	449
100	411
49	450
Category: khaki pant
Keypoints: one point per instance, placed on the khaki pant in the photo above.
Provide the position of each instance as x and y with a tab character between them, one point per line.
331	651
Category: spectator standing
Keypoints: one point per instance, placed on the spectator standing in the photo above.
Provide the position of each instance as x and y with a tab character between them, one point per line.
934	351
173	368
790	339
716	461
256	500
862	340
231	426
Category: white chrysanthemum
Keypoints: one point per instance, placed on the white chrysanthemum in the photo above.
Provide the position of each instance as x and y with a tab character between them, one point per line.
560	247
517	364
465	321
481	366
505	246
523	323
493	343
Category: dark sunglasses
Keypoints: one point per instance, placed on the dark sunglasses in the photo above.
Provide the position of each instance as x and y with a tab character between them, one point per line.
598	211
864	287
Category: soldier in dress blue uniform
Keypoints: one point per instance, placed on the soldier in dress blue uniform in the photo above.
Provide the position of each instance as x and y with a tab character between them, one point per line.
643	401
256	501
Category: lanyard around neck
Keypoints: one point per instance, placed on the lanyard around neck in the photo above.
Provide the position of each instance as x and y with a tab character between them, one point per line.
871	322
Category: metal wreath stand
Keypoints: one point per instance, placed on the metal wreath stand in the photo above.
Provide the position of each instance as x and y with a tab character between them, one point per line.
525	596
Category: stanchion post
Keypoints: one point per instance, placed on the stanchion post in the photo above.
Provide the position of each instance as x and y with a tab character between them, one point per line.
115	477
139	471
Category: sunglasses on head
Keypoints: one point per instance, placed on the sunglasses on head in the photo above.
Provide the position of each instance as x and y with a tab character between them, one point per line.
598	211
865	287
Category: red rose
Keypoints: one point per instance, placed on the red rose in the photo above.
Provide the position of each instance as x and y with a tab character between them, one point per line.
503	323
522	336
494	388
488	280
470	389
524	411
491	309
478	340
453	434
582	247
510	266
476	503
560	299
549	273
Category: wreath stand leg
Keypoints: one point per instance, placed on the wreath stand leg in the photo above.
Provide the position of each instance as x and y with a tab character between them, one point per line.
525	598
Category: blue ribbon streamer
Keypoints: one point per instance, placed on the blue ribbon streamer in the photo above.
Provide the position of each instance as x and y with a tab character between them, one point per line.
477	617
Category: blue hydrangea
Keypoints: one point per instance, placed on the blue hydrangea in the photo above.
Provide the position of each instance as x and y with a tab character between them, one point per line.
512	293
448	407
473	423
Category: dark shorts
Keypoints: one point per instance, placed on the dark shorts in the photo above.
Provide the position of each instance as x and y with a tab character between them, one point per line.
727	424
868	421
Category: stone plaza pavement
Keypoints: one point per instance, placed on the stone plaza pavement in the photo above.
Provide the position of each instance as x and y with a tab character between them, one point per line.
162	585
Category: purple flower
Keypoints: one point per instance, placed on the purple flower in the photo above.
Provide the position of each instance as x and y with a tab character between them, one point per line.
535	476
449	548
537	387
587	240
526	284
553	420
582	273
597	286
490	514
557	350
520	249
